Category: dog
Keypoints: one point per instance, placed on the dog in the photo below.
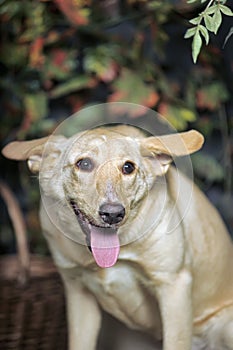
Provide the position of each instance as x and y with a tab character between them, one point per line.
129	240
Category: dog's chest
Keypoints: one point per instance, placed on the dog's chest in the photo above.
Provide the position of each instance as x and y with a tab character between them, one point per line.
122	292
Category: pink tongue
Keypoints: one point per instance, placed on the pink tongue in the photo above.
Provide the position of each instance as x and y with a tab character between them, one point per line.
105	246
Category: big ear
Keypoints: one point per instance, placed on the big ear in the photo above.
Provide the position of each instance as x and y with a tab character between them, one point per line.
30	150
166	147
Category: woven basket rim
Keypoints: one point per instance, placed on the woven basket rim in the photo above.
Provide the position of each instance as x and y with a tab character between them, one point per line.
40	266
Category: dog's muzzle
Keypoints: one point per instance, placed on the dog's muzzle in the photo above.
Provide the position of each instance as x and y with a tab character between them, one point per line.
102	241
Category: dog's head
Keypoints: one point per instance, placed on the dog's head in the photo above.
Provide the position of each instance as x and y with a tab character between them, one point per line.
103	175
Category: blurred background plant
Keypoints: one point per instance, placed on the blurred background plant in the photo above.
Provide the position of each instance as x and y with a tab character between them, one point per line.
57	56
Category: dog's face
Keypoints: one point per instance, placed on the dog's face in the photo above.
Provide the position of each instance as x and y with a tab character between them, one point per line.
103	175
105	181
106	176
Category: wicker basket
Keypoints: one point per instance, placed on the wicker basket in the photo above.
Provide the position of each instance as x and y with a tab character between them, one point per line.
32	305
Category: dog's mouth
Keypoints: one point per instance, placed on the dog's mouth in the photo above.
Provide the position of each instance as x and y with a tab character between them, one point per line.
102	241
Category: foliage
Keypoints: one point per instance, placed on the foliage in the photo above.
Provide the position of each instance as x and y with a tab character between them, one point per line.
209	20
208	168
53	50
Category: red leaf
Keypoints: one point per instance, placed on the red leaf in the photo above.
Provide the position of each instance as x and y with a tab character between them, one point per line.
131	87
36	56
71	9
152	99
59	57
163	109
76	102
110	73
117	96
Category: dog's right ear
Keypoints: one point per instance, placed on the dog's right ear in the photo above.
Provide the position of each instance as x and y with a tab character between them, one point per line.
162	149
27	150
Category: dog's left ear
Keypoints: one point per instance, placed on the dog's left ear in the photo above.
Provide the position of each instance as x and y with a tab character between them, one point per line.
26	150
32	151
22	150
164	148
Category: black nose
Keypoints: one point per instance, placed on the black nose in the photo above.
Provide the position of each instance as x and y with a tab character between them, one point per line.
112	213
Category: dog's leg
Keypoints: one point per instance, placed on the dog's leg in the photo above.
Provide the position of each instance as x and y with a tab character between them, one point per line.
228	335
220	330
84	316
175	301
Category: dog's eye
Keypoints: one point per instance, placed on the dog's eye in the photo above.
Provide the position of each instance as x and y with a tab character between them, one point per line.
85	164
128	168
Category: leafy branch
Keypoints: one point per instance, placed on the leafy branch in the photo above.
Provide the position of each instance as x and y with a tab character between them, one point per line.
209	20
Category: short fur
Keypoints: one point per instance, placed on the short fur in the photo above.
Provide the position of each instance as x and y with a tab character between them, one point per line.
173	281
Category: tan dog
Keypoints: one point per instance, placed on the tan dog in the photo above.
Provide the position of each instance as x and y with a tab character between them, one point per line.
170	261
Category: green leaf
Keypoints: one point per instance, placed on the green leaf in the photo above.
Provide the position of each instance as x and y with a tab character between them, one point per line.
205	33
131	87
178	116
195	20
12	56
187	114
207	167
10	8
190	32
209	22
212	96
36	105
196	46
226	10
71	85
210	10
217	20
